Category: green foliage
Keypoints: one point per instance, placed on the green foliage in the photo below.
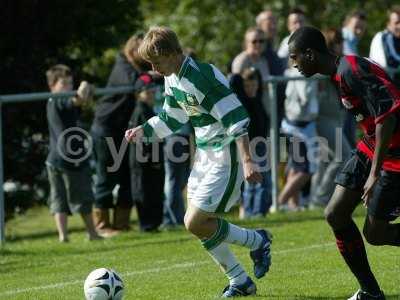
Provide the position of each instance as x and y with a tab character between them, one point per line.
36	35
215	28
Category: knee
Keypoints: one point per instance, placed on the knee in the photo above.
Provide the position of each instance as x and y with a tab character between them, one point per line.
191	224
331	216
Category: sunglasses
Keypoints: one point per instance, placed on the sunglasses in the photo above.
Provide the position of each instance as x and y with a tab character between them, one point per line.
261	41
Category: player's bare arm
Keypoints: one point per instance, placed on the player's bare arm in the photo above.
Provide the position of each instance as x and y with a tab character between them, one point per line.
383	133
251	172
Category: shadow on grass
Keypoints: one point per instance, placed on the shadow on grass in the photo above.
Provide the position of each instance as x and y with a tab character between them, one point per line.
299	297
39	235
47	234
272	220
280	218
135	240
6	252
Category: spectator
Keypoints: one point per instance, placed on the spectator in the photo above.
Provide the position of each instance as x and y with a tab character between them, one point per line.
334	149
301	109
248	87
385	46
267	22
146	161
254	44
352	31
177	170
112	115
251	56
296	19
67	163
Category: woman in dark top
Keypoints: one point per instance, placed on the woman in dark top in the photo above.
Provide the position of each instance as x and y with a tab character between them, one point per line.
111	119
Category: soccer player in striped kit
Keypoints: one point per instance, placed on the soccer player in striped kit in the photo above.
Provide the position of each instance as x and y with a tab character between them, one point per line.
199	93
372	174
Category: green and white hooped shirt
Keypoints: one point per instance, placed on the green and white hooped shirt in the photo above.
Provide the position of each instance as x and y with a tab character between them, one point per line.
200	93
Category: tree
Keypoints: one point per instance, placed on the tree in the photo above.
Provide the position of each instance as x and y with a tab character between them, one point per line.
37	34
215	29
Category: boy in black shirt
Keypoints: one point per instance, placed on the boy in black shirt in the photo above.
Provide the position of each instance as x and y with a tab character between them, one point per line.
67	161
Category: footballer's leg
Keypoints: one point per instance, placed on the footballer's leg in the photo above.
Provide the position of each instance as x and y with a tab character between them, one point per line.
383	208
348	238
213	188
213	233
380	232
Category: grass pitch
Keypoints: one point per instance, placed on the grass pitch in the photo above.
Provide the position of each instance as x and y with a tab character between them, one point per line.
173	265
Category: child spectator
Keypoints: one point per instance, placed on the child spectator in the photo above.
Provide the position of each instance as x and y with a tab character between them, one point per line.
146	161
248	87
67	162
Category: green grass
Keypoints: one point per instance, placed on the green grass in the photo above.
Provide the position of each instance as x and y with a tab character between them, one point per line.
173	265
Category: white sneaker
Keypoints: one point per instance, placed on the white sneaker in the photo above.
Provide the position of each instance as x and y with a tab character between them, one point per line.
361	295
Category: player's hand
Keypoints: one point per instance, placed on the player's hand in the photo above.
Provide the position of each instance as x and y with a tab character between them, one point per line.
251	172
133	135
369	188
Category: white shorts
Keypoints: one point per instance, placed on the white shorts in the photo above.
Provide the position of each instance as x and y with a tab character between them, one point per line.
215	181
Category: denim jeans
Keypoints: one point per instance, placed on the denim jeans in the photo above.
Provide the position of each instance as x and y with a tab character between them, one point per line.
176	176
257	197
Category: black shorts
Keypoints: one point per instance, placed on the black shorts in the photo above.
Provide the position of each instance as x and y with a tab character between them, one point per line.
385	202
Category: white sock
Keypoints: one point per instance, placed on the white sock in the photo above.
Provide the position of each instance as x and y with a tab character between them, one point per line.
228	263
221	254
245	237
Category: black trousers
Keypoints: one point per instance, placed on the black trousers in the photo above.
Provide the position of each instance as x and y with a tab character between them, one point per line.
107	179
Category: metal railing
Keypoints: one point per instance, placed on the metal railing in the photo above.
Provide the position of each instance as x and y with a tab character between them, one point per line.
274	130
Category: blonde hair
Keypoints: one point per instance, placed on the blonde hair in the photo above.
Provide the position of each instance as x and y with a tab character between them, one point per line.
159	41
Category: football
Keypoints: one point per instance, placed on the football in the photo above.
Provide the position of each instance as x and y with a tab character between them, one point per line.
103	284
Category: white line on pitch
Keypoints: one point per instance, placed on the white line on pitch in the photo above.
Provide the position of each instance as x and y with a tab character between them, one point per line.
153	270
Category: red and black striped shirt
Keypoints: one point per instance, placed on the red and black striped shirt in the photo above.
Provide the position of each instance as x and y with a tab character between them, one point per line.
370	95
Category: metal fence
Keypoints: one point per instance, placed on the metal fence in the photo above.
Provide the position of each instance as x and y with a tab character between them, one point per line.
30	97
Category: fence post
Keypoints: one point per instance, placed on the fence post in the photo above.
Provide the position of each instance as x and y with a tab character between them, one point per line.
2	212
274	132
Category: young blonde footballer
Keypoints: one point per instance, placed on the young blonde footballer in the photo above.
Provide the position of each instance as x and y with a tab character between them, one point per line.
199	93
